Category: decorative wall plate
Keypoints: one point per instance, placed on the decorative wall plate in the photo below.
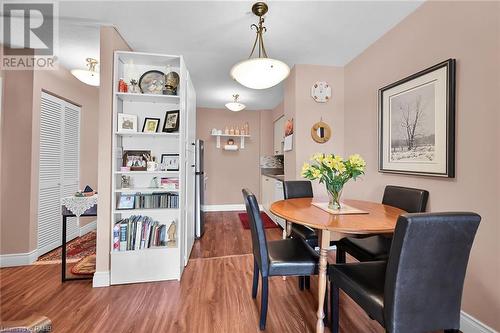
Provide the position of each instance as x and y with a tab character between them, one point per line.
152	82
321	92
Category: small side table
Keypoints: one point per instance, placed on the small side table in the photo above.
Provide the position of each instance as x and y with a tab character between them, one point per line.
66	212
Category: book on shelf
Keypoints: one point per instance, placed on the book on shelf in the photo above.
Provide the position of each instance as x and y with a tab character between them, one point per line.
138	232
170	184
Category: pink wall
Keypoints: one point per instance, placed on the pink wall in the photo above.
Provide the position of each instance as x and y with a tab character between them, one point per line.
228	171
17	115
110	41
299	104
469	32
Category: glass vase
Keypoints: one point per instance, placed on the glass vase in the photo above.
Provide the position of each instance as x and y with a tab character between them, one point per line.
334	199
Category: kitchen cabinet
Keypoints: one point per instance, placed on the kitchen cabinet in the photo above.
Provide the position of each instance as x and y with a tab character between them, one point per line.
271	191
279	135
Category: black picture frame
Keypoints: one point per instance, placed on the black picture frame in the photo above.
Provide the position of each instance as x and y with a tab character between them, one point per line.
158	120
166	158
170	126
443	151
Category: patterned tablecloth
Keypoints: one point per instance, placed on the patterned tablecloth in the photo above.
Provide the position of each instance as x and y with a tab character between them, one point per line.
78	205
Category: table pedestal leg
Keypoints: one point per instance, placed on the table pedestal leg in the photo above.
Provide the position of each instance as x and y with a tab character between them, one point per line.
63	254
323	262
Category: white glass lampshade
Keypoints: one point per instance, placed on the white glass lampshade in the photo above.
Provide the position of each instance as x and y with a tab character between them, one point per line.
260	73
86	76
235	106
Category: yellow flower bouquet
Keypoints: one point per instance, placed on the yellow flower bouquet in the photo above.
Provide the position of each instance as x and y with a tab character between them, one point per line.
334	172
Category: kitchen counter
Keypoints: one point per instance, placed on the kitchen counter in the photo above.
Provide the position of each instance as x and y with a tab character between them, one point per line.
275	173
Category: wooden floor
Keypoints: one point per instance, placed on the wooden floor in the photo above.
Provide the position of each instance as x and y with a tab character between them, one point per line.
213	296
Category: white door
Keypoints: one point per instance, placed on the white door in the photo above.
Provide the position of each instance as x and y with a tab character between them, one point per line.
58	168
279	133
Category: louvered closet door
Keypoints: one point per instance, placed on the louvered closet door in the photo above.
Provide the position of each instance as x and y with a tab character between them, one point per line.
58	176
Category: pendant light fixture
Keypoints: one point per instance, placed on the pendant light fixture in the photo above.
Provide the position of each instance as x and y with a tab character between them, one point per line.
90	76
235	105
260	72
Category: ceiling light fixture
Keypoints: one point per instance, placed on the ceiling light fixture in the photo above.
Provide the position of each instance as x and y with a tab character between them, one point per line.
235	105
261	72
90	76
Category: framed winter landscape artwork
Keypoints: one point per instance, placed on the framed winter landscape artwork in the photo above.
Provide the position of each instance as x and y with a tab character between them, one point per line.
417	123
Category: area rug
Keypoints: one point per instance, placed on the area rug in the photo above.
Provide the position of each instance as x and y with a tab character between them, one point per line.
85	266
268	223
76	249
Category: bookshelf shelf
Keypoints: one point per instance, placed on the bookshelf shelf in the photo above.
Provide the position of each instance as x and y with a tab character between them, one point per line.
144	190
150	98
142	134
147	172
157	263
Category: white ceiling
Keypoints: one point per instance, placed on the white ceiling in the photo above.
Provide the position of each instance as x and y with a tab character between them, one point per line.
214	35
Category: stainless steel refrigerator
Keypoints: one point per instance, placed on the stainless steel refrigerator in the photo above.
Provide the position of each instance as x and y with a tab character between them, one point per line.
200	189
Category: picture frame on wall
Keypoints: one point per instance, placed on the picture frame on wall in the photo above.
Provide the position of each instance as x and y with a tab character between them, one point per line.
171	123
151	125
170	162
417	123
127	123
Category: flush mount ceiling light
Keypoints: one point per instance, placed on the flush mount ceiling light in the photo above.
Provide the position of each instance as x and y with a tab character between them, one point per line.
90	76
261	72
235	105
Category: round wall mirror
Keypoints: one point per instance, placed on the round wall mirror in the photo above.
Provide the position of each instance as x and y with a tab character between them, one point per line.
321	132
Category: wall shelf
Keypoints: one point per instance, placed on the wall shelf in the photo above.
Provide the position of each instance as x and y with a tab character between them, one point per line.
147	172
241	136
144	190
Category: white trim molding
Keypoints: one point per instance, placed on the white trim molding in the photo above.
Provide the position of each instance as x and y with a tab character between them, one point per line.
100	279
225	208
469	324
18	259
88	228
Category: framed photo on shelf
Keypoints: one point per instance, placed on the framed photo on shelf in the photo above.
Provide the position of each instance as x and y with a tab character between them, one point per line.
170	162
127	123
417	123
151	125
171	123
136	160
126	201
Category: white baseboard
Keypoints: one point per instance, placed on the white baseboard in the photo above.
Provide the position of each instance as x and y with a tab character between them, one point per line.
88	228
101	279
469	324
225	208
18	259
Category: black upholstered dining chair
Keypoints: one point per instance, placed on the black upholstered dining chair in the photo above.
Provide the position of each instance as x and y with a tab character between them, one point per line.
419	288
285	257
371	248
301	189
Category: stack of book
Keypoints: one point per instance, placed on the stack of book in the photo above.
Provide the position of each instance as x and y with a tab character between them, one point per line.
157	200
138	232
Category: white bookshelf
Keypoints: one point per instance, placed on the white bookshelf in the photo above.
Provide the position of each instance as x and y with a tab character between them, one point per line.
159	262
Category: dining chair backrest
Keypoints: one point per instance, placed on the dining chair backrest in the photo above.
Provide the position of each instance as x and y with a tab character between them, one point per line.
259	241
297	189
411	200
426	271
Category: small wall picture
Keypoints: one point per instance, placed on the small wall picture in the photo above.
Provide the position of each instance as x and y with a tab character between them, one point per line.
417	123
171	123
288	142
151	125
126	201
170	162
127	123
136	160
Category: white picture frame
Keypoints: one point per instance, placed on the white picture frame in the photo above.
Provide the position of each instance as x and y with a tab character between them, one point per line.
127	123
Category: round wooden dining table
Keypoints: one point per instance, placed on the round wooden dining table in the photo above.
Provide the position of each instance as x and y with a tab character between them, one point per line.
375	218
